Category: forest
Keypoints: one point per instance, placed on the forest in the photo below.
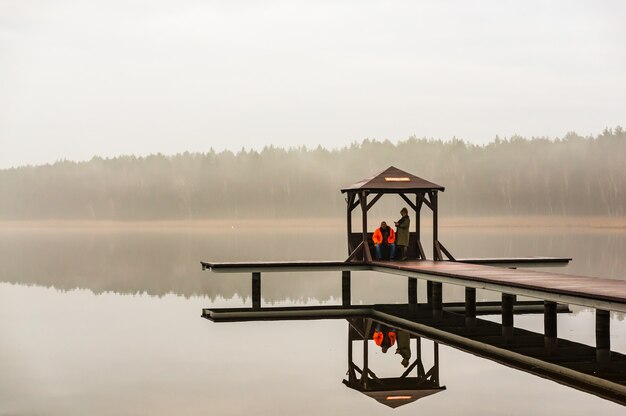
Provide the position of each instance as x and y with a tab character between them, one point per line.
572	175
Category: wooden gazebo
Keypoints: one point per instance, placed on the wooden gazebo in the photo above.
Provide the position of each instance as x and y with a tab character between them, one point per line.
413	190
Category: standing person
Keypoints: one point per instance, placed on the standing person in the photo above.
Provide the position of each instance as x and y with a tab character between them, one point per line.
402	232
384	236
404	347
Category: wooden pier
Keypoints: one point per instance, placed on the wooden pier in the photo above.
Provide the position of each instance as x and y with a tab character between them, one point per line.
592	292
594	369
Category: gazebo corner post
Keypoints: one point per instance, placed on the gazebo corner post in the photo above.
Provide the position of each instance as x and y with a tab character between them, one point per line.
351	372
435	207
366	337
366	248
350	201
419	251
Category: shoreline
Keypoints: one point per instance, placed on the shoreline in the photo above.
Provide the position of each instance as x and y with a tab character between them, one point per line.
529	222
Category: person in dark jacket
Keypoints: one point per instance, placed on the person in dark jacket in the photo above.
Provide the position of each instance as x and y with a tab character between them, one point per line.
402	232
404	347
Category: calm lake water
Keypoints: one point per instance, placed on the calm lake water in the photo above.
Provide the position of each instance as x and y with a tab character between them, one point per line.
105	322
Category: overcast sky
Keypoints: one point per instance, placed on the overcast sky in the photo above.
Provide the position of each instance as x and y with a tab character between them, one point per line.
107	77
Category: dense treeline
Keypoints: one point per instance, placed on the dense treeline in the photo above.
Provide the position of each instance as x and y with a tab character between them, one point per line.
516	176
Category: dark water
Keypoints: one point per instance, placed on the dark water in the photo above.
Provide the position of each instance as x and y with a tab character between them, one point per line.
108	322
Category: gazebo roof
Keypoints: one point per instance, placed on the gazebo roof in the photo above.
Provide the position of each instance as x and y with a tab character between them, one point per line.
392	180
397	398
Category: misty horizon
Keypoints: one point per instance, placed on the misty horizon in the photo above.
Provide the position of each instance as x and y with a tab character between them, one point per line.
331	149
571	176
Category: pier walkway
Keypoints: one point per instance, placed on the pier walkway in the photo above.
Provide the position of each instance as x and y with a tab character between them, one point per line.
489	274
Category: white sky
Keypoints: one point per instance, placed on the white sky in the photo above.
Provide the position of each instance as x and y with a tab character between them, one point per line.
111	77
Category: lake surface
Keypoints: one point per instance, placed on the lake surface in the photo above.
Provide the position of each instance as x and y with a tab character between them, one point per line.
106	321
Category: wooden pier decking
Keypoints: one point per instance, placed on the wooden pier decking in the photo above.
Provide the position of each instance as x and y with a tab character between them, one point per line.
489	274
294	266
593	292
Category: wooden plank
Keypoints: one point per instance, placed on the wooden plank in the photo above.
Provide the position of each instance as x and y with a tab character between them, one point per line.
519	261
283	266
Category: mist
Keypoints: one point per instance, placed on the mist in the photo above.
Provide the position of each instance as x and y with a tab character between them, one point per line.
110	78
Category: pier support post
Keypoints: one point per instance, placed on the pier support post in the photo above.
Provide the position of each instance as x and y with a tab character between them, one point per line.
549	326
603	337
470	307
345	288
256	290
412	291
437	300
508	301
429	293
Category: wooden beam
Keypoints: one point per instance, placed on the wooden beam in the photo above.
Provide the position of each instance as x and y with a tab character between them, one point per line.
426	201
470	307
350	201
351	373
421	250
412	291
363	199
603	337
418	204
549	326
373	201
437	300
368	253
355	252
345	288
408	201
508	301
445	251
411	367
368	327
436	251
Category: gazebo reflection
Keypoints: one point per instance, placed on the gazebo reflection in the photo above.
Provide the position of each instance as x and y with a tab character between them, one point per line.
413	384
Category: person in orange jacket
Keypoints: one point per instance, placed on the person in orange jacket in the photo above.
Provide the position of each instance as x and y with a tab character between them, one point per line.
384	236
384	337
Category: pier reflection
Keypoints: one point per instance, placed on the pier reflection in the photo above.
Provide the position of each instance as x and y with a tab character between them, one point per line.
591	369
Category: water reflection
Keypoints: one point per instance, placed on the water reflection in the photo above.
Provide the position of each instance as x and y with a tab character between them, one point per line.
159	262
595	370
413	381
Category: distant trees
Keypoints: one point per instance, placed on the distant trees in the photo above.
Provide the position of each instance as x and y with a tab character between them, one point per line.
573	175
